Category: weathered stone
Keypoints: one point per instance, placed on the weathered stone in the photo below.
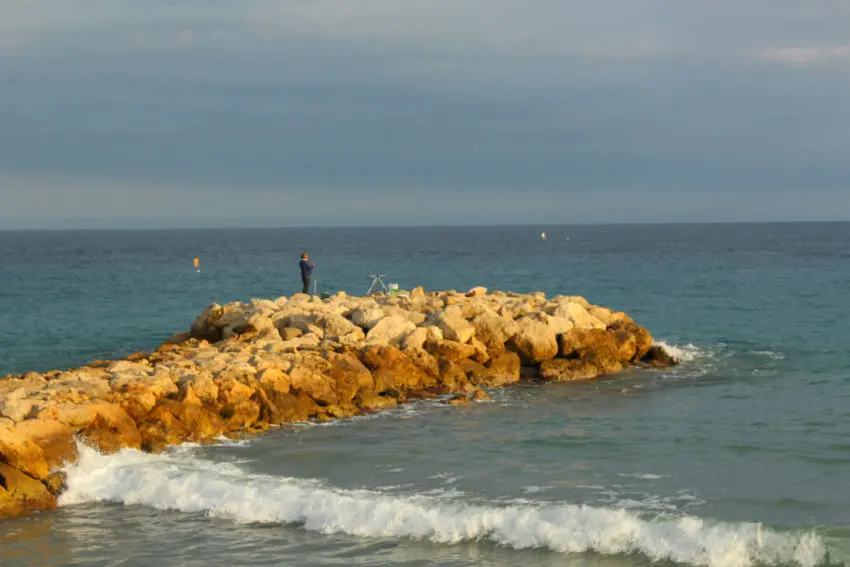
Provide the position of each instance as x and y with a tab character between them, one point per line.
204	326
389	330
171	423
494	330
392	369
505	369
480	396
366	317
563	370
55	439
455	327
534	341
240	415
416	338
26	492
454	351
658	357
349	376
275	379
21	452
480	290
289	333
314	381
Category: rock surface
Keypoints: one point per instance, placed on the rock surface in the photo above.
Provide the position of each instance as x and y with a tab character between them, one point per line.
244	367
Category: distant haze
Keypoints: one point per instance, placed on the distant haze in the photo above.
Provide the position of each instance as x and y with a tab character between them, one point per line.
389	112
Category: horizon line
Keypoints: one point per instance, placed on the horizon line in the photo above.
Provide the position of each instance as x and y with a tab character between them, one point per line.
401	226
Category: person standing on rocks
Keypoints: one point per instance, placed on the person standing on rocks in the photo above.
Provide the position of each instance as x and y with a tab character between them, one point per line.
306	271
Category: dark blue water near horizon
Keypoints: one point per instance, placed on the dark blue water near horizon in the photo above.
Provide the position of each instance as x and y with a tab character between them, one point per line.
73	295
740	456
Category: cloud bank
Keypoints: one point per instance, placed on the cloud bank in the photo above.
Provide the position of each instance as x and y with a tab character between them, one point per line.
376	111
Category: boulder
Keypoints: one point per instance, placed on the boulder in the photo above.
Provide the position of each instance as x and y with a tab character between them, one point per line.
389	330
476	291
289	333
480	395
534	341
171	423
657	357
274	379
505	369
393	370
493	330
452	376
349	376
54	438
336	327
367	316
311	377
21	452
455	327
455	351
577	314
24	492
563	370
240	415
416	338
204	326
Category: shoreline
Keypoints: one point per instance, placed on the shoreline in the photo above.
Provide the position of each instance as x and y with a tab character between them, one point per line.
243	368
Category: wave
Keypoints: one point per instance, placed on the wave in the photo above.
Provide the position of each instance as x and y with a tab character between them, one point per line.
176	481
686	353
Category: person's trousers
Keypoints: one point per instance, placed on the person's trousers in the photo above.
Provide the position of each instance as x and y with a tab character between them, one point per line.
306	284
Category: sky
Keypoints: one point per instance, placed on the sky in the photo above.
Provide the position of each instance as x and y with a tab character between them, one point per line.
115	113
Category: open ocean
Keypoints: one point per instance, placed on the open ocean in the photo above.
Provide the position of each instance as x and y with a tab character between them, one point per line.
740	456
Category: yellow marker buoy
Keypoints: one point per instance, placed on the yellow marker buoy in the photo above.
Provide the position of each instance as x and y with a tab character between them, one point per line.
542	236
197	264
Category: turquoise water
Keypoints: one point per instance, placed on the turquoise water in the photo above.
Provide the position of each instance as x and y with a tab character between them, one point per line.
739	456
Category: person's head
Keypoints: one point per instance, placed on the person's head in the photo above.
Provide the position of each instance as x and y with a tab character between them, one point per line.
304	256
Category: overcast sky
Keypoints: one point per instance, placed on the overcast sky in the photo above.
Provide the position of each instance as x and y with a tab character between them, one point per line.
397	112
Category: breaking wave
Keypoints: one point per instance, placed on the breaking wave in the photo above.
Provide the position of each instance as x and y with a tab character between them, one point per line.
177	481
686	353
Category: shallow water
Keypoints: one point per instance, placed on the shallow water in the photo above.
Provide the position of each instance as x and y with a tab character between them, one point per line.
738	457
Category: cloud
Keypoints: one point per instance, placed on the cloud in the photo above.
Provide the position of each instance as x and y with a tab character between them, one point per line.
805	56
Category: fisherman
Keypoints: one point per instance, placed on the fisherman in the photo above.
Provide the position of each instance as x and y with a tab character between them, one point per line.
306	271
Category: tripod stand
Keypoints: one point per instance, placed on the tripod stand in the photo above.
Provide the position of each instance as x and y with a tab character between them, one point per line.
377	284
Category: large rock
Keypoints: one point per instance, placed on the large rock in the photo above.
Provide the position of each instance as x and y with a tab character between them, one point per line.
204	326
21	452
563	370
494	330
389	331
577	314
476	291
367	316
455	327
55	439
506	368
455	351
311	376
171	423
393	370
534	341
25	492
657	357
349	375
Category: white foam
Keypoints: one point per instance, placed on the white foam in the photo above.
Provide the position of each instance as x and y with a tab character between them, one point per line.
686	353
180	482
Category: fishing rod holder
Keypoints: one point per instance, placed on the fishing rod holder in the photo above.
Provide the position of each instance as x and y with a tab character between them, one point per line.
378	284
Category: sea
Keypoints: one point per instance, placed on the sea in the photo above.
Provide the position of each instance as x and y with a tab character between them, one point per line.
739	456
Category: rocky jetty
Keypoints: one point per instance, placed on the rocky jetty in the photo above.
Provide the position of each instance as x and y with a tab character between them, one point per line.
245	367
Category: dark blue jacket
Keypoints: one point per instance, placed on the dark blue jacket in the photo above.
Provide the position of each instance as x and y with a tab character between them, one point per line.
306	268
